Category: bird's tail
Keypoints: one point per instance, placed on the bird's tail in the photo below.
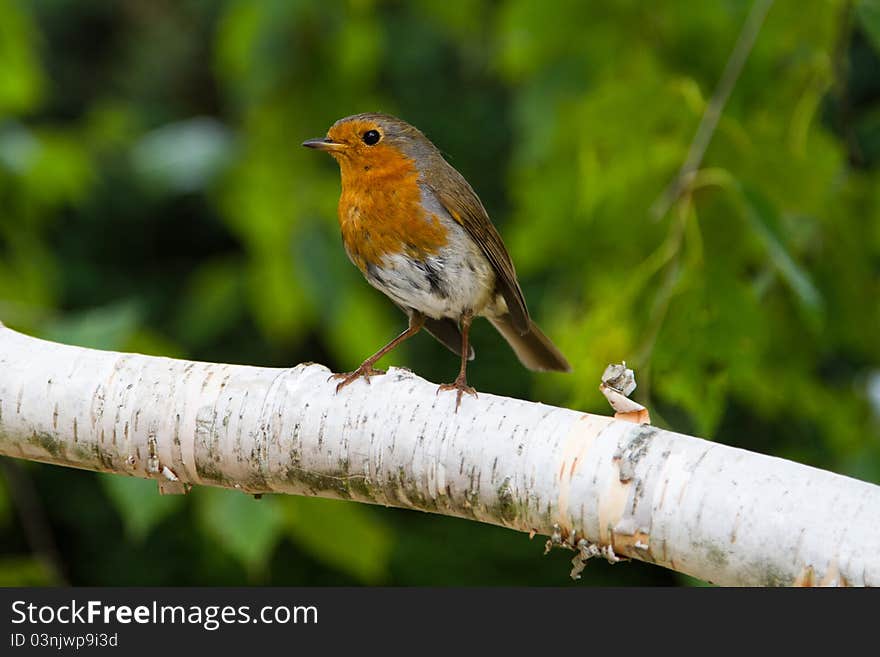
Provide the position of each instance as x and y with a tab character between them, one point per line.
533	348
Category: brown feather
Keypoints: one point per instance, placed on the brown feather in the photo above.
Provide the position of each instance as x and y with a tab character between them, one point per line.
460	200
533	348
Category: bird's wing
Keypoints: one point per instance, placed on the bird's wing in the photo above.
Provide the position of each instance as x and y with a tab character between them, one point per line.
462	203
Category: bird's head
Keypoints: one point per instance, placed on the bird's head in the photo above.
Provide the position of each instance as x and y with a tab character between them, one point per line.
366	143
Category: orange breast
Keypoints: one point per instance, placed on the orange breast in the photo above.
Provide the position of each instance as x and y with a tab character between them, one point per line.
380	210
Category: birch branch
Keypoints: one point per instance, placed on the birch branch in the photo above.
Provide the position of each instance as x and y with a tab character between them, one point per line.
598	485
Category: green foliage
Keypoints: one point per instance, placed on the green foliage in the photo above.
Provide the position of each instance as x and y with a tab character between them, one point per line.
343	536
868	13
23	571
139	505
154	197
107	327
23	82
245	527
182	157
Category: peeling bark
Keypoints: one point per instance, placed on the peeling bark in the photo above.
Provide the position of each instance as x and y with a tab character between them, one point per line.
602	487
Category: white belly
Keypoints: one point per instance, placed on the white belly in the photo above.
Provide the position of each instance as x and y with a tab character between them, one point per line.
457	280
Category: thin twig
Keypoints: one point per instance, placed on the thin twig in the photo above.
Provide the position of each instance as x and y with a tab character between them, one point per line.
711	116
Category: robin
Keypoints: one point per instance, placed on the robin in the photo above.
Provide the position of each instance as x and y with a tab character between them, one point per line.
418	232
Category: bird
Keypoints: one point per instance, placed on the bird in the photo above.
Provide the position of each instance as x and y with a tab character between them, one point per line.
420	234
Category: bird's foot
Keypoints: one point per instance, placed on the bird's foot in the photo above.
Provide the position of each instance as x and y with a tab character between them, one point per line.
460	386
365	371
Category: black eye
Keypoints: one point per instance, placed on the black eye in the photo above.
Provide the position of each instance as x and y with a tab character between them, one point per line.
371	137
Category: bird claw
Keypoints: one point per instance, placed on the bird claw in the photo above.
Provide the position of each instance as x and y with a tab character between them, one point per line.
349	377
461	387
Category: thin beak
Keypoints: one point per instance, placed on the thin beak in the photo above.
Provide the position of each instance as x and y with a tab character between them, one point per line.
324	144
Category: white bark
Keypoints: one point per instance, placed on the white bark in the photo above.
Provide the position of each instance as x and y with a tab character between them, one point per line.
724	515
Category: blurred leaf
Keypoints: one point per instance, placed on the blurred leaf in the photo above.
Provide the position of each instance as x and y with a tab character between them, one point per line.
139	503
245	527
18	147
360	44
277	300
151	343
464	19
251	38
873	390
61	172
184	156
868	13
22	83
27	280
344	535
238	33
24	571
765	222
112	124
703	397
868	133
109	327
211	302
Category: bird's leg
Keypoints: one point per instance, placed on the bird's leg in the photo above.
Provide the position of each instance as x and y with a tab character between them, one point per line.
366	370
460	384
